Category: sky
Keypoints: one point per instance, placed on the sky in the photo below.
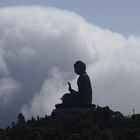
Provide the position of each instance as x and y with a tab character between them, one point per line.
119	16
41	40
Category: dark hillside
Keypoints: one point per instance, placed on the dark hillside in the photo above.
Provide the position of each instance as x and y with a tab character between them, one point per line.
99	123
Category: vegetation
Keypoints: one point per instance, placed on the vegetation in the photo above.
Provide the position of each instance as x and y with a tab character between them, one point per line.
100	123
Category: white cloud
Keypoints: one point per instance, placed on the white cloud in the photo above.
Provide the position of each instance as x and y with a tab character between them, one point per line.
49	95
34	40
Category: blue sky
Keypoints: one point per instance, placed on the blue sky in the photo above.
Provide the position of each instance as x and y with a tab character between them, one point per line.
119	16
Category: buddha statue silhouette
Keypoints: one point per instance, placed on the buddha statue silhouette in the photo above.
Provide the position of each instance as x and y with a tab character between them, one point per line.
83	96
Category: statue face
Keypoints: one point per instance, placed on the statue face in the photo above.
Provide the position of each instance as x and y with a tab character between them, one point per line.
78	71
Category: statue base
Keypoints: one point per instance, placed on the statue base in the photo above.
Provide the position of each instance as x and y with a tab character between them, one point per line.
68	112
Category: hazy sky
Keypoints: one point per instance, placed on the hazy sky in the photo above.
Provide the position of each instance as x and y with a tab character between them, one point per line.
41	40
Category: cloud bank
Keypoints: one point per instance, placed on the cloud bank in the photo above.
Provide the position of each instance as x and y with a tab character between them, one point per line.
38	46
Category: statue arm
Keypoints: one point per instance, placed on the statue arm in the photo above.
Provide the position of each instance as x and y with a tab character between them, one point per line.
73	91
70	89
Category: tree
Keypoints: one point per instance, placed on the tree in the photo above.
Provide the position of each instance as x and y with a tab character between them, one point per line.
21	118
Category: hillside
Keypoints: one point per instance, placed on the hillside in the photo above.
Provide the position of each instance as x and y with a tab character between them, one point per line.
99	123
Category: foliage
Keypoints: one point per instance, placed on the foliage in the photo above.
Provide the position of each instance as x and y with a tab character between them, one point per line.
99	123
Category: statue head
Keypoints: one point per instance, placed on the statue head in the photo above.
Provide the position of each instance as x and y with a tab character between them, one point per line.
79	67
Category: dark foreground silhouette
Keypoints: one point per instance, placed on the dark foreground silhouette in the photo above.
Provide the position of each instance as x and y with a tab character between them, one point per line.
76	119
82	97
99	123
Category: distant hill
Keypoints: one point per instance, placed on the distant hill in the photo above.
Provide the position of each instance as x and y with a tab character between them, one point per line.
98	123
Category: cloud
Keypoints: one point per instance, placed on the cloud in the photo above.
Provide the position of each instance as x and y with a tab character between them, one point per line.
8	87
51	91
38	46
